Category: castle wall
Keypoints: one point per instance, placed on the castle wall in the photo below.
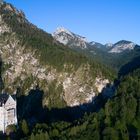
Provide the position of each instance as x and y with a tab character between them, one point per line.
8	114
2	117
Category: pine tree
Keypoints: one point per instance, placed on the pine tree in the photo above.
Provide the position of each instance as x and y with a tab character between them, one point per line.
24	127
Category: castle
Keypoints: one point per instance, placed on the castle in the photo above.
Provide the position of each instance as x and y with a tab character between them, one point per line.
8	111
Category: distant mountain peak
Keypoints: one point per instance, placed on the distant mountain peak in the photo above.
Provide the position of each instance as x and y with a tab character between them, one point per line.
75	41
109	45
62	29
121	46
123	42
69	38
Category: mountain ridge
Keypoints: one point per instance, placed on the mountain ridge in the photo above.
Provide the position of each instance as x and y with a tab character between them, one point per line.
118	47
109	54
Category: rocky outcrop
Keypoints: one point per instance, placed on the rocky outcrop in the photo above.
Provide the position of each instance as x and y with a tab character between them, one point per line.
22	68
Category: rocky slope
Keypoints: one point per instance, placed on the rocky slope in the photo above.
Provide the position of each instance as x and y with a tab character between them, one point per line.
73	40
122	46
66	37
31	57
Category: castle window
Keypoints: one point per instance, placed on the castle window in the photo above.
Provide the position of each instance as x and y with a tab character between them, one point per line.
11	114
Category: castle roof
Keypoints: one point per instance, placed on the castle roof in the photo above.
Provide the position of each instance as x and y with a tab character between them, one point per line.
4	97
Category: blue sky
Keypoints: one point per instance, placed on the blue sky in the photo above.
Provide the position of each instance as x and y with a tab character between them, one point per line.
98	20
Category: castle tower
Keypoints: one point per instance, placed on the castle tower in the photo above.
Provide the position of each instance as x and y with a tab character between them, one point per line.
8	111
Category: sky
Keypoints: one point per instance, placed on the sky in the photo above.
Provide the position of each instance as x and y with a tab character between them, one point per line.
104	21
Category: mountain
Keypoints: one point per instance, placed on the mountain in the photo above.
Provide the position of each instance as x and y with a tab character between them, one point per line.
80	44
63	91
109	45
122	46
109	54
73	40
66	37
31	57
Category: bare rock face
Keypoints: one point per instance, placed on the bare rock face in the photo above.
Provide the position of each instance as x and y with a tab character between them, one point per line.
22	68
122	46
66	37
3	27
101	83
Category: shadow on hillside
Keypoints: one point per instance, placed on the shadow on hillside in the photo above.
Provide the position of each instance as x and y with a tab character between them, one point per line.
30	108
129	67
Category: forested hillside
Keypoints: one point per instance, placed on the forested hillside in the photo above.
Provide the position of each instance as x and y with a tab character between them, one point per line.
118	119
31	57
62	93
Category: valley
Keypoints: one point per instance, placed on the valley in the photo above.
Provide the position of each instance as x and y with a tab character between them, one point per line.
65	86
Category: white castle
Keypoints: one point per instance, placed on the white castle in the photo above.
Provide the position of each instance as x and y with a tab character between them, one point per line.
8	111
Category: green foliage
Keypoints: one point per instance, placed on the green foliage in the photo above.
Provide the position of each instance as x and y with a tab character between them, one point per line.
119	119
11	129
5	67
27	83
123	110
110	134
24	127
55	93
40	136
54	133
